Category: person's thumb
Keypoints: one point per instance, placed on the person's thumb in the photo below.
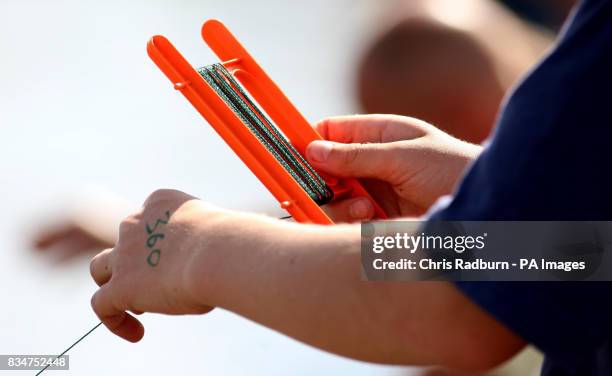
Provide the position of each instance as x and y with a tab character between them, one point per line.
351	160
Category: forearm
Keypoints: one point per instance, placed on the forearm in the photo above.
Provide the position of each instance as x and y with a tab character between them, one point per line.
305	281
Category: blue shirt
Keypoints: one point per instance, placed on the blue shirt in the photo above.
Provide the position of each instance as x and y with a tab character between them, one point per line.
550	158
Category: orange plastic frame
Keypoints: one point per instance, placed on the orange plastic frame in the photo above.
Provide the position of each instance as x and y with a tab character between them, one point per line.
227	124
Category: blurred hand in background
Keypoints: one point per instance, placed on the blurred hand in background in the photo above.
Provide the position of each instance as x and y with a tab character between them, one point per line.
87	223
450	62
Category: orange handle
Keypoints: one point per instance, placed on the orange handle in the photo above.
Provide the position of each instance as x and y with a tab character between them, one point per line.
274	102
229	126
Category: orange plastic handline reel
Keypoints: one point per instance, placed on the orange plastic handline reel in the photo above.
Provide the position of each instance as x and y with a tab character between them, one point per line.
229	126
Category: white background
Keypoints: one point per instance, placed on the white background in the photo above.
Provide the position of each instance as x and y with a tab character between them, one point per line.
81	104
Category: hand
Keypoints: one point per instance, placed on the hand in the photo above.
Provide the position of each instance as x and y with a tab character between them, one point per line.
87	222
148	270
70	239
406	163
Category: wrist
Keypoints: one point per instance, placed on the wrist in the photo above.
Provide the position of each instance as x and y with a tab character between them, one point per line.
218	241
251	256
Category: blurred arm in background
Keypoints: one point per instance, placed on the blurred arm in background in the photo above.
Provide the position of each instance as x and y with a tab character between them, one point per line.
87	222
450	63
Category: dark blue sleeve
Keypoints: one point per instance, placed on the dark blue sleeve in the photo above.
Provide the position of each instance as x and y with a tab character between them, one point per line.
551	159
550	155
569	322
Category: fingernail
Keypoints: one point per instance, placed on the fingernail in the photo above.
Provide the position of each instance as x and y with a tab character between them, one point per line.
361	209
318	151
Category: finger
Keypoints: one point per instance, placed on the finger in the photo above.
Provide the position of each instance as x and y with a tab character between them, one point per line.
50	238
376	161
100	267
115	319
370	128
351	210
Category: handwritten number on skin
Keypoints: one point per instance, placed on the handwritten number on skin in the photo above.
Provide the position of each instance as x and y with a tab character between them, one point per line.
155	235
157	223
152	240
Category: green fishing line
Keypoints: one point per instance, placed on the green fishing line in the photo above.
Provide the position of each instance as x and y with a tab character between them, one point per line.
96	327
232	93
69	348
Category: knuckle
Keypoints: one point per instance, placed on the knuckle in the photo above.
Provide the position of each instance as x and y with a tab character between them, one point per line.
352	154
126	226
94	303
129	223
159	195
97	260
92	266
322	127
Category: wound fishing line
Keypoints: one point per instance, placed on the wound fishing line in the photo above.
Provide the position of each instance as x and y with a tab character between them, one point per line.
236	98
258	122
